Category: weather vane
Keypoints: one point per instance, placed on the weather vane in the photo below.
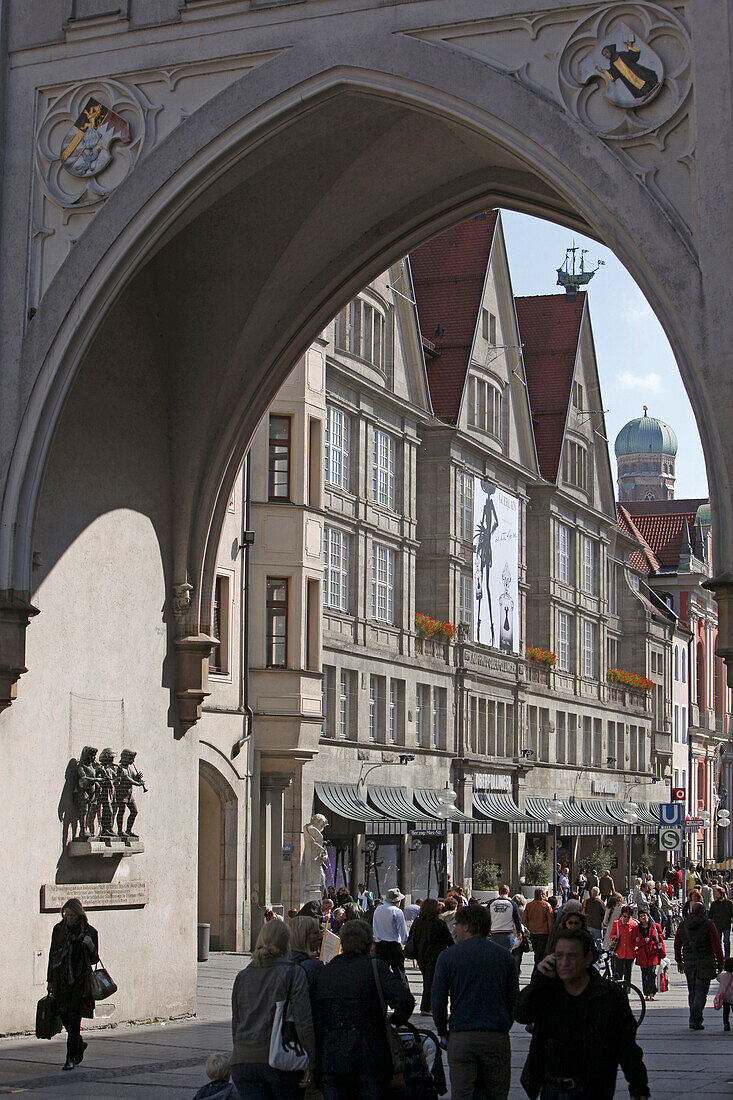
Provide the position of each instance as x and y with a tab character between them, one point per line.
571	276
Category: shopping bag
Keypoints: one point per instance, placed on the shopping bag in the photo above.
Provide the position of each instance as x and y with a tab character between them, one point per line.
102	984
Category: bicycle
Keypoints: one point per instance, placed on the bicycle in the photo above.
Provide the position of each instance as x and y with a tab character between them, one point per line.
637	1001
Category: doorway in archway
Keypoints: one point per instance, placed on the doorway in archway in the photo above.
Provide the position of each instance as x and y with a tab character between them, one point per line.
217	858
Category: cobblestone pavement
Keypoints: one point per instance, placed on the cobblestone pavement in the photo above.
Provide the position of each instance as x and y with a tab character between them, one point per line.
166	1060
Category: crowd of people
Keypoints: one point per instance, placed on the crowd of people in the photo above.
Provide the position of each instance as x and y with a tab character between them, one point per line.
302	1027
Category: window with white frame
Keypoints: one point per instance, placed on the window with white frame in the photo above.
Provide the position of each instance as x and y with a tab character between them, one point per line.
589	565
393	715
589	648
683	724
338	447
485	404
359	328
575	465
383	468
335	569
676	662
563	641
422	714
563	553
676	723
684	666
383	572
437	735
465	504
465	609
346	688
373	699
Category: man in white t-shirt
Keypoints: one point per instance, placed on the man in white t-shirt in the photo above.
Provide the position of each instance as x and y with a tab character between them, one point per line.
390	932
506	921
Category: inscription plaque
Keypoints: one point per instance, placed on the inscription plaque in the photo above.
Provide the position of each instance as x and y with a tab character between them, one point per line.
94	895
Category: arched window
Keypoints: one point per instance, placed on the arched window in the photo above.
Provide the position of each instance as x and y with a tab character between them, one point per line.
700	673
684	666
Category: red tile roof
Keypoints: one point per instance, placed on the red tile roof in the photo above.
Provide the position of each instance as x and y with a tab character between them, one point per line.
448	275
644	559
549	330
662	525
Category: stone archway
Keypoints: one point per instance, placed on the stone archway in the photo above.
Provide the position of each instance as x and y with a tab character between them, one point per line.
470	137
219	875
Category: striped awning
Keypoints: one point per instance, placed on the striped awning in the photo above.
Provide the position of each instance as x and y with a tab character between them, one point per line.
502	808
575	821
394	803
616	812
649	814
427	799
353	814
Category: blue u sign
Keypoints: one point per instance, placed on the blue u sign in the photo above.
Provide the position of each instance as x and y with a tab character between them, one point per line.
671	813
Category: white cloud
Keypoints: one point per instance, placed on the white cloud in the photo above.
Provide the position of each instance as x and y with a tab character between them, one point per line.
651	381
636	309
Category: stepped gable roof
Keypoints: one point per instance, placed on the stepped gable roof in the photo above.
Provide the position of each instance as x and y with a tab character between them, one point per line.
448	275
549	330
644	560
663	524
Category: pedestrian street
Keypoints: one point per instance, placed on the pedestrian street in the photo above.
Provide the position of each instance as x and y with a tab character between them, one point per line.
166	1060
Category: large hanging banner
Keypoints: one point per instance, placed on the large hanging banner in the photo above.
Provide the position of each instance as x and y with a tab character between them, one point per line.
495	566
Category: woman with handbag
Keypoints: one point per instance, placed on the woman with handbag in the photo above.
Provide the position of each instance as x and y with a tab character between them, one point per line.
272	1026
650	951
428	936
355	1059
74	950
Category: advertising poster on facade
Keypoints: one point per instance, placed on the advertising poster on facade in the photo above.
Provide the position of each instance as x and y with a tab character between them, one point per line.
495	566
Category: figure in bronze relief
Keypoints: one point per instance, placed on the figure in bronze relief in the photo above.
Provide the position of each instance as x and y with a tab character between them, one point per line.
127	777
106	774
85	791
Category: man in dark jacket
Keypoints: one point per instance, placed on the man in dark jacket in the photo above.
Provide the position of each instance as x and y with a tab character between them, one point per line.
699	957
353	1058
721	914
481	980
583	1028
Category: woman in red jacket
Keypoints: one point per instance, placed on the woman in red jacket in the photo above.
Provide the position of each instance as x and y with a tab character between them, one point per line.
649	952
623	945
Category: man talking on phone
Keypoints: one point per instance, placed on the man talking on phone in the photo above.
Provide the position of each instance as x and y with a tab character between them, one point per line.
583	1028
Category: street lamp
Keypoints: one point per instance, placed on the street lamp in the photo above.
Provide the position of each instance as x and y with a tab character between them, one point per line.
446	811
630	817
554	817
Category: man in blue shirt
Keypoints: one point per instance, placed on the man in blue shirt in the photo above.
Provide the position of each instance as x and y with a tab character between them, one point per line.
390	933
481	980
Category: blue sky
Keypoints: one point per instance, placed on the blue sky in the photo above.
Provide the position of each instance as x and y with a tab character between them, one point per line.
636	363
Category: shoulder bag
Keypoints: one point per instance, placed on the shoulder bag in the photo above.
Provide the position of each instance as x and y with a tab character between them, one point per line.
396	1053
286	1053
102	984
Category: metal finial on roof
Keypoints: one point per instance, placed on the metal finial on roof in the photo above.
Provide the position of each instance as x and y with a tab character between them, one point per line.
646	409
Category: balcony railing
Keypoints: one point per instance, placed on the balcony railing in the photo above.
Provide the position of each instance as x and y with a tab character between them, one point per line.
432	647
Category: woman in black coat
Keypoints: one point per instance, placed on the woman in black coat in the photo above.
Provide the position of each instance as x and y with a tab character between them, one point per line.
429	936
74	950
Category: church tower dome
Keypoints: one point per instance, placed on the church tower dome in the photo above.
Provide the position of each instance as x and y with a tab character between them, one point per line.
646	449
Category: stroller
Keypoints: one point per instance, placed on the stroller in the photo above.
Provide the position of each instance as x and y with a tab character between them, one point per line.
424	1073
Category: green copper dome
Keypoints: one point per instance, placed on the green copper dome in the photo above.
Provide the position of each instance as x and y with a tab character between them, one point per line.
646	435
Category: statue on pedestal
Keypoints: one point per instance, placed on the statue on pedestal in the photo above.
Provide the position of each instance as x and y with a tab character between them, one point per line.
316	858
127	776
106	774
85	792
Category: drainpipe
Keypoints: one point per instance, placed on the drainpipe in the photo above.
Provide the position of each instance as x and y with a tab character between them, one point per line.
244	546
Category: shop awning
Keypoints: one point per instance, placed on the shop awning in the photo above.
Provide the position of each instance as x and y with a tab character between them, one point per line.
427	798
394	803
609	812
502	808
575	821
645	824
352	814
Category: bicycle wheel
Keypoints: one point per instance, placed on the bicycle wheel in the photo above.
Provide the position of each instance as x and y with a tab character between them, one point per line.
637	1001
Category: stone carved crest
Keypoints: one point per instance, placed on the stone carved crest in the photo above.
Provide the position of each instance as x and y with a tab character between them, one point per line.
181	600
626	69
88	141
630	71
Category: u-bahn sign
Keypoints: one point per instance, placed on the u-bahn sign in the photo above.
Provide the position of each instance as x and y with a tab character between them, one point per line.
672	813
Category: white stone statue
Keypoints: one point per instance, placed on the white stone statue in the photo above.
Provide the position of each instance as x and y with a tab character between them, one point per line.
316	858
